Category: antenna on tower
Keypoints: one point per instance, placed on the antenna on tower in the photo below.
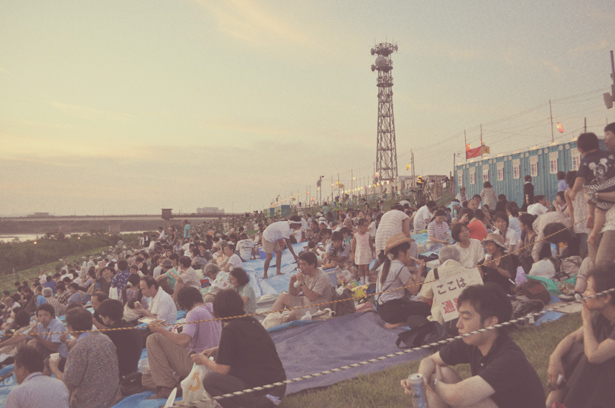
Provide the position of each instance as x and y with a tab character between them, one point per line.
386	153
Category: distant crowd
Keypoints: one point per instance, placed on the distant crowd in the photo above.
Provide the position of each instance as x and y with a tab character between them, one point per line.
478	253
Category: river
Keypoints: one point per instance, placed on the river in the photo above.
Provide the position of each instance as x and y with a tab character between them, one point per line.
33	237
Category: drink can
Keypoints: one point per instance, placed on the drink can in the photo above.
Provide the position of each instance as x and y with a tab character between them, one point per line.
419	394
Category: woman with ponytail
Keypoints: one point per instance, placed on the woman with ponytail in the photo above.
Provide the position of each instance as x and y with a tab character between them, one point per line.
394	306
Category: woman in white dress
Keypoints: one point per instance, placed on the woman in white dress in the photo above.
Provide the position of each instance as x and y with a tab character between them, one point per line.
511	239
470	250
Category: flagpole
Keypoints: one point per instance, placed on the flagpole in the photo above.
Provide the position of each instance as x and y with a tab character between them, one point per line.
465	144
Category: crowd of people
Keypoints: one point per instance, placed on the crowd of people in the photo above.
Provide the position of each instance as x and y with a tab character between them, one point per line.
486	245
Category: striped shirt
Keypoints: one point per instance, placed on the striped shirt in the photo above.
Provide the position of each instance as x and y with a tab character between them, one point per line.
437	231
391	223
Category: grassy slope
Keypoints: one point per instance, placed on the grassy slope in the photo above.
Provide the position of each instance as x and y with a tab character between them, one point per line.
7	281
382	389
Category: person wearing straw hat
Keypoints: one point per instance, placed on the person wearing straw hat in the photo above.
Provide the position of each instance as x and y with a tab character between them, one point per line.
393	306
498	266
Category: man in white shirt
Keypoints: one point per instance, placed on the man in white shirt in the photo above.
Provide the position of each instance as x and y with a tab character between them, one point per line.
451	279
539	207
42	277
35	389
310	280
162	307
245	247
187	274
45	335
423	215
272	234
234	261
558	221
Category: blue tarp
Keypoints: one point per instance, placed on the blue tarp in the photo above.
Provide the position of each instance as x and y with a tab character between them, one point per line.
335	343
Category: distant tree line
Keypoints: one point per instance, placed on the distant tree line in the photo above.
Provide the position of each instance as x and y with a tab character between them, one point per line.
18	256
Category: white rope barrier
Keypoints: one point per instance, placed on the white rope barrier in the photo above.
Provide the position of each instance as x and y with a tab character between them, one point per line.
201	402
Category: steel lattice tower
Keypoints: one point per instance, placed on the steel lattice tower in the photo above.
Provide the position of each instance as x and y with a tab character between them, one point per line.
386	154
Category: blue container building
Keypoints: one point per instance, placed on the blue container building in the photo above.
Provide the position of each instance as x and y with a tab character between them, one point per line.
506	172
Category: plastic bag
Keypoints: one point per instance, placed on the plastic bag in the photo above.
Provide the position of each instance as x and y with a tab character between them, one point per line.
543	268
113	293
521	278
192	385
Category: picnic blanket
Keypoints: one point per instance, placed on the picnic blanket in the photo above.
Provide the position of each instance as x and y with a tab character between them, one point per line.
335	343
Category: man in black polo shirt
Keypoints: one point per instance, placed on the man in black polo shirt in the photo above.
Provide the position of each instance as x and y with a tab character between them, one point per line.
128	343
501	375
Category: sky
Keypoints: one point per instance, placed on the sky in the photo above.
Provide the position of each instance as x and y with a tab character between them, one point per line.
127	107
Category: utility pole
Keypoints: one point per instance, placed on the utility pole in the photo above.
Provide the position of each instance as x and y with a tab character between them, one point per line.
609	98
585	124
551	117
413	184
481	140
453	178
465	144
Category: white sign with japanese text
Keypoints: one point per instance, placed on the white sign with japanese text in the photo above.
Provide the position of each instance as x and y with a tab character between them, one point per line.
446	292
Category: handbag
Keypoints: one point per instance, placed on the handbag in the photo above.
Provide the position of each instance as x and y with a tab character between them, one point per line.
422	332
534	289
131	384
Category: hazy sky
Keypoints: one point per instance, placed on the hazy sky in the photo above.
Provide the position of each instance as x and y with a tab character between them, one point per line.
132	106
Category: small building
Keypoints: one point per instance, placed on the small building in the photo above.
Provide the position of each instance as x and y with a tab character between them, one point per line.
281	210
209	210
506	171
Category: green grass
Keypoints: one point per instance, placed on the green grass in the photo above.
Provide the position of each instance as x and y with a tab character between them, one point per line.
7	281
382	389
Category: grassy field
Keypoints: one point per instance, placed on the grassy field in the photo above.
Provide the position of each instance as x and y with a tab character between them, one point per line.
382	389
7	281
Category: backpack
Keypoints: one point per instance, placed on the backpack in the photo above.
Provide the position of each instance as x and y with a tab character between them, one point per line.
131	384
534	289
422	332
343	308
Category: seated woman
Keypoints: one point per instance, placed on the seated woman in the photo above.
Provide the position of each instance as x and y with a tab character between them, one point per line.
241	282
246	358
392	305
501	222
589	382
512	210
477	227
524	251
219	281
133	291
470	250
496	267
437	231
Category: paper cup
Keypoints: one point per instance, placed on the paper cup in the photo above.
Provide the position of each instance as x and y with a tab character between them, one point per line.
54	356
